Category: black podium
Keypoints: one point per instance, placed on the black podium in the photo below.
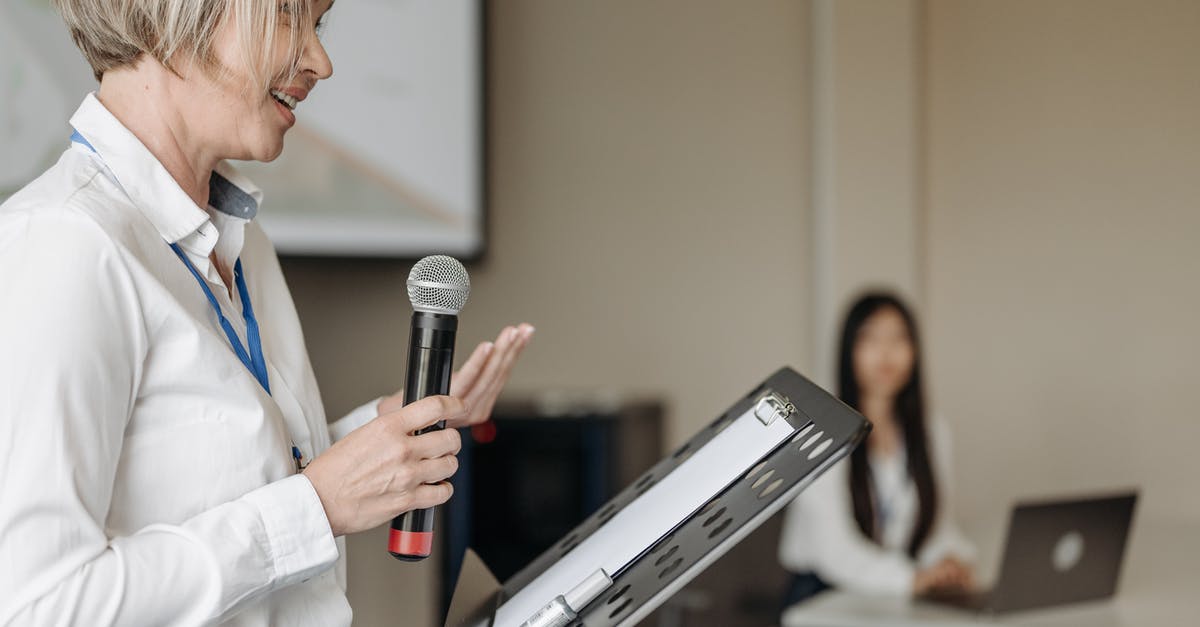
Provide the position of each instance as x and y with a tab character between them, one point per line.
675	520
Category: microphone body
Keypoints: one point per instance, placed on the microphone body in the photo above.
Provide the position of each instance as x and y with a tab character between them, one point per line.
430	362
438	287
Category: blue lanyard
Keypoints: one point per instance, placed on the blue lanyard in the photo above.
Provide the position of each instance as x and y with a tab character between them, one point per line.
252	358
77	138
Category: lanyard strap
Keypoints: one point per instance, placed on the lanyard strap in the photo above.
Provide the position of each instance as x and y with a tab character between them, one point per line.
79	139
253	359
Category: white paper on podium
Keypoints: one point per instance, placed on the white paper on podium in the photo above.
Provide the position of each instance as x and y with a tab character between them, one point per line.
654	514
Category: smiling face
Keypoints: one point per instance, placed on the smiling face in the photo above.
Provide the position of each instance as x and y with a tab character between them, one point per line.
242	108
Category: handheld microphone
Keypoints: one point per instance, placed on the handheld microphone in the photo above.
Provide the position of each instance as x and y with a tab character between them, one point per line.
438	287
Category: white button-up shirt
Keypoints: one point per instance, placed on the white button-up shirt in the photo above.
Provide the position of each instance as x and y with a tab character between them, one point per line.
146	478
821	536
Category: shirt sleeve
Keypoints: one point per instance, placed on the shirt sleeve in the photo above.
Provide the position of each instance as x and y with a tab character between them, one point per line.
820	534
945	539
358	417
73	341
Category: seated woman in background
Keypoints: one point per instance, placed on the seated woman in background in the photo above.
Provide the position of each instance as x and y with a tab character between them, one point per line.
881	522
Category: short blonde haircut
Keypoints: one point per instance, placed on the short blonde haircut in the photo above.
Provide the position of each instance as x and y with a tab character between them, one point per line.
116	33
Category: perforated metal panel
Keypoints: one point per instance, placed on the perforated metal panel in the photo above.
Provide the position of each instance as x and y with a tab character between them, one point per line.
825	430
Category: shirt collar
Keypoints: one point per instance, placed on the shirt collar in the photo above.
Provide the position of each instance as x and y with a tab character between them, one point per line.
232	193
152	189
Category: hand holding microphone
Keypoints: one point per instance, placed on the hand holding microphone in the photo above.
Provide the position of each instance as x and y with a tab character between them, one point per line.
394	464
438	288
399	462
382	468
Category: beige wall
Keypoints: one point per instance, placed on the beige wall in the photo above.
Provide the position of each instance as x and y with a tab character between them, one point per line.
866	157
1063	218
648	215
650	178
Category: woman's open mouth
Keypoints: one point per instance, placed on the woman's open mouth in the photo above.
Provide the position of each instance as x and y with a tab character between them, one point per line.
284	99
285	103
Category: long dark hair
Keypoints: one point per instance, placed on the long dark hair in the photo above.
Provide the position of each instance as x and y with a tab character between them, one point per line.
910	415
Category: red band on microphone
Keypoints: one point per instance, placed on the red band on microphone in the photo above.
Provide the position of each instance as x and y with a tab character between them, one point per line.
413	543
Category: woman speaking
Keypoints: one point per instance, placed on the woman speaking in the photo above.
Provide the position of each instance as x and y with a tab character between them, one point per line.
164	454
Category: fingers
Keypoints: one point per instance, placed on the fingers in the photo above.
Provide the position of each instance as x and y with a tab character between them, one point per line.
477	383
944	575
484	379
434	444
922	583
426	412
382	469
962	578
949	574
508	347
509	344
956	573
462	381
465	378
435	470
430	495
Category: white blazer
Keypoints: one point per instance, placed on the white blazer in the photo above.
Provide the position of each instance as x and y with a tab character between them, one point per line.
146	477
821	536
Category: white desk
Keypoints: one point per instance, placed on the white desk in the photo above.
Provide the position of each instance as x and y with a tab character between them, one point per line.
1160	587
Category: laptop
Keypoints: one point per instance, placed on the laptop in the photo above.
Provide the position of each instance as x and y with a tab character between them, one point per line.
1057	552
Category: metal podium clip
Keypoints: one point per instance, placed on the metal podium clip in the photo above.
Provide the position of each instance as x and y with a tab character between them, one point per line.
565	607
772	406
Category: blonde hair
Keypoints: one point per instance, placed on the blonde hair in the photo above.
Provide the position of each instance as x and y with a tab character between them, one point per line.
116	33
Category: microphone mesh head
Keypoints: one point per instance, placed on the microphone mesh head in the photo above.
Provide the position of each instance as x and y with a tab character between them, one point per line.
439	284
